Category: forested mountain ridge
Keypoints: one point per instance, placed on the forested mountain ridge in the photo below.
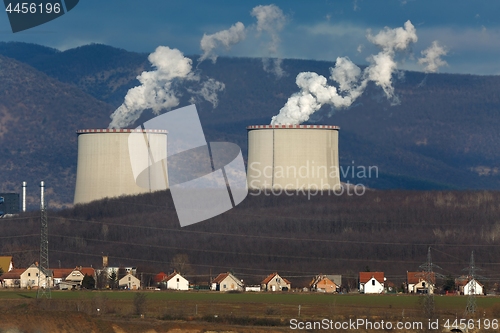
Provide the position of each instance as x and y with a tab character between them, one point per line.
443	134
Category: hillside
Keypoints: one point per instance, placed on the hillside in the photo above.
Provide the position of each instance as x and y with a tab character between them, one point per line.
38	120
443	135
298	236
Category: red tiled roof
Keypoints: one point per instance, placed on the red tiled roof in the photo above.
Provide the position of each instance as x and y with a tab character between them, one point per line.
220	277
90	271
416	277
270	277
326	281
171	276
463	280
13	274
61	272
159	277
366	276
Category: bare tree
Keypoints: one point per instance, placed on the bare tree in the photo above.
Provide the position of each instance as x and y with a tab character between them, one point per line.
180	262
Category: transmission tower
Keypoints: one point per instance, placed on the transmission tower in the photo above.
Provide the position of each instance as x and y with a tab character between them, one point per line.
430	280
471	289
43	266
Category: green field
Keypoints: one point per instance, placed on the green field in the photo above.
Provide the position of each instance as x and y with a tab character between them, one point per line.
221	311
392	301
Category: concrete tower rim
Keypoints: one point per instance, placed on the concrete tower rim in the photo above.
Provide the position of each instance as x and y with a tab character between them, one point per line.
326	127
119	130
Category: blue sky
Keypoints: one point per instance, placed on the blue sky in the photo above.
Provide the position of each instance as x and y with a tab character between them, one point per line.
321	30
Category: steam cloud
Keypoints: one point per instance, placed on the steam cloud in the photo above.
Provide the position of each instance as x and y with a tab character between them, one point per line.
225	38
316	92
432	57
271	19
158	89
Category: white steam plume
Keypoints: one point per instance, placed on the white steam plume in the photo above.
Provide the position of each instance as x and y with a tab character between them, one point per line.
316	92
432	57
271	20
157	91
208	92
225	38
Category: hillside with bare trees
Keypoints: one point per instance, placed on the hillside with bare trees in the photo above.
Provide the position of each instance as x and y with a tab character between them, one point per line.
298	236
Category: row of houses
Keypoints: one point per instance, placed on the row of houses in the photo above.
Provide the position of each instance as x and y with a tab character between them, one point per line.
126	278
416	283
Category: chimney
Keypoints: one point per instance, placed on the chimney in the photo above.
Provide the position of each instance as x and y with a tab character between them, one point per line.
24	196
42	199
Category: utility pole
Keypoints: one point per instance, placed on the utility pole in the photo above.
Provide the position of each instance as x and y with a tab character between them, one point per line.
43	265
471	300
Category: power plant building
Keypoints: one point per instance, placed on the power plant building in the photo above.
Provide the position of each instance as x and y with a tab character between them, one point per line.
116	162
293	157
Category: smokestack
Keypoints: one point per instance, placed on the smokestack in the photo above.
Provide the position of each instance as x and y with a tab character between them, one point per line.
42	201
24	196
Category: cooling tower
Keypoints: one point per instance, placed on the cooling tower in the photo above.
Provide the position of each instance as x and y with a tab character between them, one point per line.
115	162
293	157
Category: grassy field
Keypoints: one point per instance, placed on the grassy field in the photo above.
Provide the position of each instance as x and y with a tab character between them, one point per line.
389	302
252	310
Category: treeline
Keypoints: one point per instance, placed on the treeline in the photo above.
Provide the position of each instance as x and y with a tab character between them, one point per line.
297	236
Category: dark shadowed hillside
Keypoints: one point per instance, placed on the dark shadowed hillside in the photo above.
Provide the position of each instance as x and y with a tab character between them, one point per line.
443	134
298	236
38	120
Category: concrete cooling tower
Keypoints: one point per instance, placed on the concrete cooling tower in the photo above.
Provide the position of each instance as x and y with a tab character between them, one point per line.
293	157
115	162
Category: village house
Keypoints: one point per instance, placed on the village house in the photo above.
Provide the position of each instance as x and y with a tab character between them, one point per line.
130	282
226	282
176	282
12	279
420	282
75	277
29	278
274	282
467	286
323	284
59	275
371	282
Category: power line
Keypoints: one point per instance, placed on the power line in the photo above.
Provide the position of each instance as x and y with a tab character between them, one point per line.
273	237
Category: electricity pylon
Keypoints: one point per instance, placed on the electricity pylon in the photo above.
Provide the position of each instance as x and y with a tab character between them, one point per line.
471	289
43	265
430	280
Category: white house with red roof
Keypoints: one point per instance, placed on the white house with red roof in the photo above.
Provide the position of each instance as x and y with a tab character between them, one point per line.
12	279
274	282
226	282
75	277
420	282
176	282
469	286
371	282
